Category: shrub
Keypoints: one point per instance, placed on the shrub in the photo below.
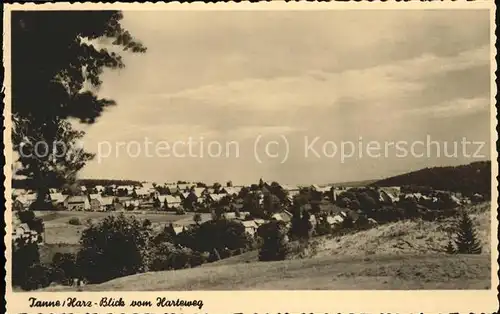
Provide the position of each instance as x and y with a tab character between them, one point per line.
216	234
64	268
115	247
197	218
275	245
180	211
323	227
37	276
75	221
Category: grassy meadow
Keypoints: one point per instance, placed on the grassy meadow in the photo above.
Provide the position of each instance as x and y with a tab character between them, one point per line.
63	237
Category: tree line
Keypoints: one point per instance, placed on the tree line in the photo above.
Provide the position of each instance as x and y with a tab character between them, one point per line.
466	179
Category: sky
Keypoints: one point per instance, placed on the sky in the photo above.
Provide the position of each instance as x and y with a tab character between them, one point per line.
292	77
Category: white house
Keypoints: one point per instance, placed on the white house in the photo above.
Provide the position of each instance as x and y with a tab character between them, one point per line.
56	198
250	227
78	203
173	201
215	197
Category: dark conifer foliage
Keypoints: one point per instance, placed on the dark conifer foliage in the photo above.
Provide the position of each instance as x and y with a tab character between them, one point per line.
56	70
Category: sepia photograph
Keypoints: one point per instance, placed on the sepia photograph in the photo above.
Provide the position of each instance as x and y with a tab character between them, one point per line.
223	150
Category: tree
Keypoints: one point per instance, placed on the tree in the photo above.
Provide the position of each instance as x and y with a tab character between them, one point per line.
450	248
25	255
217	187
197	218
300	225
275	245
115	247
156	203
271	203
166	235
57	83
467	241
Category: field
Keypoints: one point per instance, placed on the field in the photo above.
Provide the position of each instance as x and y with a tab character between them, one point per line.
60	236
400	255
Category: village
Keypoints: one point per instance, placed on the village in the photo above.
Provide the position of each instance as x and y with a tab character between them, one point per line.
252	205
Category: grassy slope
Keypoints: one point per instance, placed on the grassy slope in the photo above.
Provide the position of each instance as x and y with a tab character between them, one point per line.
326	273
408	237
402	255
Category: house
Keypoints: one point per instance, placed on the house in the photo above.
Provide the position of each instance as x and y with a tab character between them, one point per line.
107	203
198	192
185	187
315	187
178	229
125	202
336	219
250	227
172	202
243	215
23	231
259	222
233	191
162	198
148	186
147	203
17	205
284	216
27	199
77	202
142	192
173	190
56	198
215	198
229	215
95	202
99	188
17	192
336	194
387	196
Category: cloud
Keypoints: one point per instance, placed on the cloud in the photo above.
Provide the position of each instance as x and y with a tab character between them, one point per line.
453	108
371	86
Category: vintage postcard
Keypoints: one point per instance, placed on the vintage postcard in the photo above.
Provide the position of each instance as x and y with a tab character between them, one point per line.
251	157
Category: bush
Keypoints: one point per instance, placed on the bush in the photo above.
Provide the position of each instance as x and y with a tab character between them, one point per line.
275	245
180	211
323	227
64	268
167	256
216	234
75	221
37	276
115	247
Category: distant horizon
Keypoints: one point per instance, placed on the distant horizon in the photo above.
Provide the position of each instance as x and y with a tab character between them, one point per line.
236	183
